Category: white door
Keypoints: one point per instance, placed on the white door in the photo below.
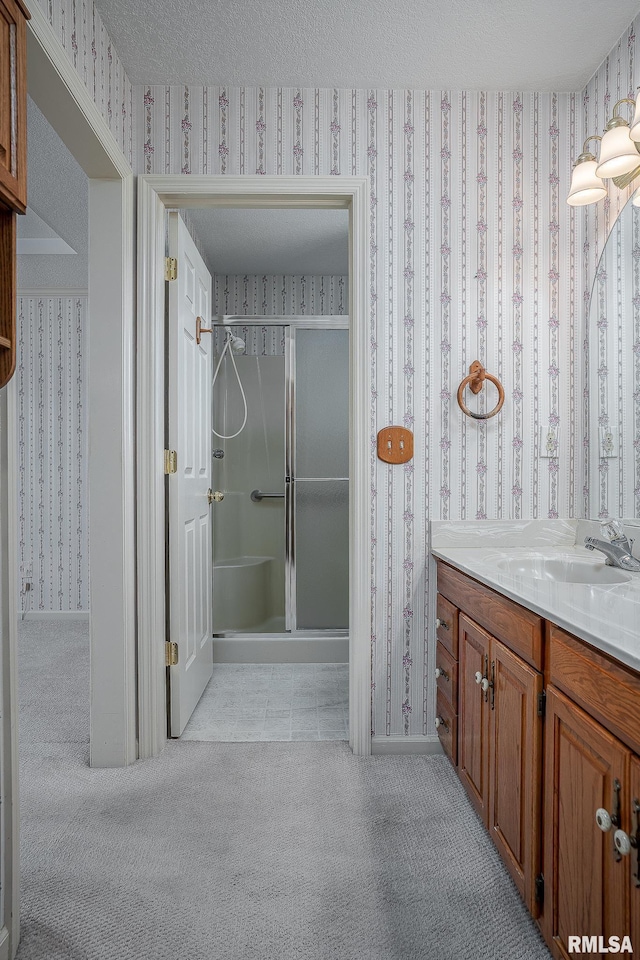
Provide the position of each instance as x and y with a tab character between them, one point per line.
190	515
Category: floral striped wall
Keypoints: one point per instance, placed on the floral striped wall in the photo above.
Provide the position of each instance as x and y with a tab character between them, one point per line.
275	295
470	258
81	32
611	345
52	452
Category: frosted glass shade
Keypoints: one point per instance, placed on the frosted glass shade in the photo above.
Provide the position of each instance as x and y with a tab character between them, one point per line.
618	154
634	132
586	187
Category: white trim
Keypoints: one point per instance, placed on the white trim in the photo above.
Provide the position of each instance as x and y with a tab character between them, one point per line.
406	745
56	615
155	193
56	87
65	101
50	293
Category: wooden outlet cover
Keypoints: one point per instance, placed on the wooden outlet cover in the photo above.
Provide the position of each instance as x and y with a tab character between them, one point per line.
395	444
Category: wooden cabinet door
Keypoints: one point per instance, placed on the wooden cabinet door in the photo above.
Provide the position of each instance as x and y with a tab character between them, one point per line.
634	820
473	714
586	888
515	768
13	101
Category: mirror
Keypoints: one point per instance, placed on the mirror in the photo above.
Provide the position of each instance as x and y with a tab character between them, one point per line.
613	376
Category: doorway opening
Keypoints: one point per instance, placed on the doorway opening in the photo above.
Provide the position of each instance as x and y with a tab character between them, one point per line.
156	195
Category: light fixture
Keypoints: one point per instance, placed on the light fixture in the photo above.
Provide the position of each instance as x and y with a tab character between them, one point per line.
619	159
618	152
586	186
636	198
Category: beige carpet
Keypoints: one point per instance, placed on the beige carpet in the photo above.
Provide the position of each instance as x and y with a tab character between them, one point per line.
244	851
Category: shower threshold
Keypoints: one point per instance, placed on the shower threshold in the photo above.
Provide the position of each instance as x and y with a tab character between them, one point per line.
298	646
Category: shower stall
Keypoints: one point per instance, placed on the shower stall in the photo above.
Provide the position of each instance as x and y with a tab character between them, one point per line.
280	418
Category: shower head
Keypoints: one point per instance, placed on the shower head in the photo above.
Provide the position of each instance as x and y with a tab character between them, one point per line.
237	344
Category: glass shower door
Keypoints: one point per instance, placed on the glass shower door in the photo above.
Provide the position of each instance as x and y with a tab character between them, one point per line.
319	480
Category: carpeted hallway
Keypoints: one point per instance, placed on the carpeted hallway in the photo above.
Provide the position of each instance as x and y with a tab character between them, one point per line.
244	851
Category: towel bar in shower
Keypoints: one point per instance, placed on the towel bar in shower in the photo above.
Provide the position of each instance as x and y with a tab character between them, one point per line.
257	495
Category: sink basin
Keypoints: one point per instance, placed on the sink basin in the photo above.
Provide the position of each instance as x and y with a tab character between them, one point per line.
562	570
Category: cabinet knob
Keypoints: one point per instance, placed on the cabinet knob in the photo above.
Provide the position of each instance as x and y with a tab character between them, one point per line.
478	677
622	842
442	623
603	819
441	673
484	683
441	722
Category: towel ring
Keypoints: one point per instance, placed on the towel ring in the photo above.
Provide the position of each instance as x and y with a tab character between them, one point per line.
476	378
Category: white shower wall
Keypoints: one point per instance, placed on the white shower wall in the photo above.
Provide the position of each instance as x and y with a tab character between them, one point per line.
51	399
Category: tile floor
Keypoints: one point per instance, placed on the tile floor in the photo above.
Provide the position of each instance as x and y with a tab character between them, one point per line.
279	701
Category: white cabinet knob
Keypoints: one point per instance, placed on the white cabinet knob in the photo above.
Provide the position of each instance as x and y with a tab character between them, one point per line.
438	673
441	722
603	819
622	842
478	677
442	623
441	673
484	683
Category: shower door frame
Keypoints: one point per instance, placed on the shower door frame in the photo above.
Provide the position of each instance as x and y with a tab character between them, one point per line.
296	322
156	194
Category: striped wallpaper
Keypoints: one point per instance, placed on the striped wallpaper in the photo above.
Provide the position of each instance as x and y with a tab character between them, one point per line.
470	257
52	452
273	295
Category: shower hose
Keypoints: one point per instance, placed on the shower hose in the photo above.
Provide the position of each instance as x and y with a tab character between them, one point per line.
229	345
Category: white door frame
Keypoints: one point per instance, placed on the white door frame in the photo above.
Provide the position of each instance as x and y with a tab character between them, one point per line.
62	97
155	194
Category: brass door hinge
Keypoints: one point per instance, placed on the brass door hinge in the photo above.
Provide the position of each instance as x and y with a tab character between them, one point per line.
170	654
170	268
170	461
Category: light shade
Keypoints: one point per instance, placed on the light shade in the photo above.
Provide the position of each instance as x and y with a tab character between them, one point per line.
586	186
636	198
618	152
634	132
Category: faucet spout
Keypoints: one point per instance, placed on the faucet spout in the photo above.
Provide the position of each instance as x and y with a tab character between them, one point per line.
618	553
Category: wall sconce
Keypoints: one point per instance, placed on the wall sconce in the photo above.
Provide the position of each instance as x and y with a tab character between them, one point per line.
619	159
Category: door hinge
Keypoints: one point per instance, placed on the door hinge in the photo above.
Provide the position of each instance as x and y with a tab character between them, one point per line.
539	882
170	461
542	701
170	654
170	268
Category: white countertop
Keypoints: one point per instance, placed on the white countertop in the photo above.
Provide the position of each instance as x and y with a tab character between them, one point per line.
605	615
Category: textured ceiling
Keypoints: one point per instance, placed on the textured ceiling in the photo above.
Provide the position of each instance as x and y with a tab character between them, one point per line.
296	242
423	44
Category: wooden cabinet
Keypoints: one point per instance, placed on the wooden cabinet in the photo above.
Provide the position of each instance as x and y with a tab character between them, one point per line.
586	882
539	764
13	167
499	753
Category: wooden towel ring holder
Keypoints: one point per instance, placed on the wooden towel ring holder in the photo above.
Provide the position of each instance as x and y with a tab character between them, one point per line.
476	378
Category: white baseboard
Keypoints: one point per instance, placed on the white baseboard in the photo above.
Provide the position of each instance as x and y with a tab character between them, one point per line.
405	745
56	615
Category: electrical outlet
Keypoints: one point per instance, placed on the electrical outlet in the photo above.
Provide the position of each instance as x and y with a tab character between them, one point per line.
549	441
608	442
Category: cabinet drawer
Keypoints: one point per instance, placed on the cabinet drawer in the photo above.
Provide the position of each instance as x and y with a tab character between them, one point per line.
447	682
518	628
447	626
448	728
607	690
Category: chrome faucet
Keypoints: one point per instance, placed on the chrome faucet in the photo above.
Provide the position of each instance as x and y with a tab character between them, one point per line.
617	549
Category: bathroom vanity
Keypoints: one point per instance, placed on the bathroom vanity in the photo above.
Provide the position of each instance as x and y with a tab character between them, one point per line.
538	708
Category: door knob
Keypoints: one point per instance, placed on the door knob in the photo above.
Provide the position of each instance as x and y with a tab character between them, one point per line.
217	496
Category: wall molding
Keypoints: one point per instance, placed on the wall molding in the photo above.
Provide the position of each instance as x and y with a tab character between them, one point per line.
82	615
397	744
51	294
